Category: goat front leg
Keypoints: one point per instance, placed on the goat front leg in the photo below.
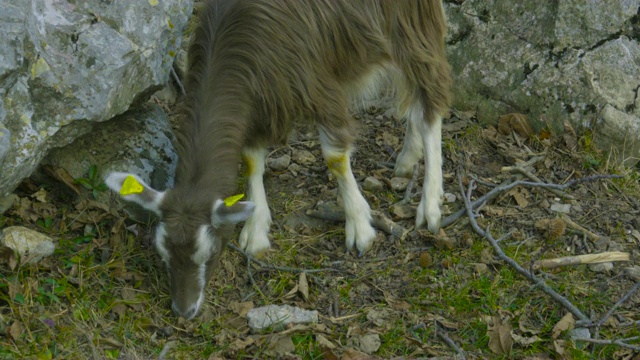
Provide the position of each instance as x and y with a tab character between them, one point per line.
254	235
358	229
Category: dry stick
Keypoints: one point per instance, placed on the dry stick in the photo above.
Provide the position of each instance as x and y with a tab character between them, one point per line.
378	219
450	342
534	279
573	225
165	350
533	177
279	268
615	306
177	79
609	342
410	186
506	186
609	256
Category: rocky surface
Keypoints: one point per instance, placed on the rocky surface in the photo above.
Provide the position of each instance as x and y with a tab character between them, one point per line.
66	65
575	59
279	316
31	245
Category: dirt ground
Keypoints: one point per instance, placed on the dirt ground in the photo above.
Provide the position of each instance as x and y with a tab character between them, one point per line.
103	294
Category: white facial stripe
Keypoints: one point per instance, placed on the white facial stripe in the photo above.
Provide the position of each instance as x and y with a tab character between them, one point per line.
159	241
204	246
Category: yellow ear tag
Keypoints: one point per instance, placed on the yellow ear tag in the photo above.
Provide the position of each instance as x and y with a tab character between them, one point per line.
131	186
233	199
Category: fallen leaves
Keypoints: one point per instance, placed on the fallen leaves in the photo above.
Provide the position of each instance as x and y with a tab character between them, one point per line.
499	334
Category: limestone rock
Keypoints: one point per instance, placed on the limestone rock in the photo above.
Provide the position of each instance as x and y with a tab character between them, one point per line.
549	60
65	65
304	157
32	246
278	316
399	183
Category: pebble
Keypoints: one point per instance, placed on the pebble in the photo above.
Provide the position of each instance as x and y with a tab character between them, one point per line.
304	157
399	183
561	208
279	163
601	267
402	211
372	183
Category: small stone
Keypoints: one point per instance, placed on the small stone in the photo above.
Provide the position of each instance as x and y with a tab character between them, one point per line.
402	211
633	272
279	316
31	245
601	267
449	198
294	169
372	184
279	163
304	157
399	183
561	208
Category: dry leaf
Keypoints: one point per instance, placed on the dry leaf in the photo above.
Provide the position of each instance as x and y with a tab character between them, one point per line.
518	123
324	343
241	308
8	256
280	345
520	196
369	343
544	134
351	354
15	330
40	195
240	344
303	286
566	323
560	346
500	341
119	309
524	340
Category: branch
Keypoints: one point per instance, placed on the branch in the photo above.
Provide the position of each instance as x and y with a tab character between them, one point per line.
528	275
332	212
609	342
506	186
615	306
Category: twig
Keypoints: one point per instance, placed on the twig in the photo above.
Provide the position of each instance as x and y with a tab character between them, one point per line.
279	268
534	279
530	175
573	225
178	81
94	350
165	350
581	259
506	186
331	212
614	307
450	342
609	342
412	183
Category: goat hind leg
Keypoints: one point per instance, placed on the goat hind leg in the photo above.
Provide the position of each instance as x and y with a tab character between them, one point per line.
412	148
358	229
429	211
254	235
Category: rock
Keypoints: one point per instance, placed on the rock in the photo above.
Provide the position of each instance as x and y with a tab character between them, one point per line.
139	141
561	208
372	184
304	157
6	202
579	333
279	163
501	64
32	246
279	316
66	65
633	272
294	169
449	198
399	183
402	211
601	267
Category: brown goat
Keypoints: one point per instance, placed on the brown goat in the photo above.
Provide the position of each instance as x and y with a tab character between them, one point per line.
256	67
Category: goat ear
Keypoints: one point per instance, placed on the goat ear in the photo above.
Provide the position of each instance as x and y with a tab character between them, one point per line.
235	213
132	188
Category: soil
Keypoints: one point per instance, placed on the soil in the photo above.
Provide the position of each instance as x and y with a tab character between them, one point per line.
403	298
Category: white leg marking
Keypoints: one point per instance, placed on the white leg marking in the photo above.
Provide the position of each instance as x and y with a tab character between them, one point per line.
432	191
412	149
254	235
358	229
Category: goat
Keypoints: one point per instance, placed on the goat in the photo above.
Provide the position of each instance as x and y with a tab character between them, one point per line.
254	68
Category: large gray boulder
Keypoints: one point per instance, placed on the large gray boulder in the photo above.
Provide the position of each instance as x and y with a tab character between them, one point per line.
65	65
554	60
